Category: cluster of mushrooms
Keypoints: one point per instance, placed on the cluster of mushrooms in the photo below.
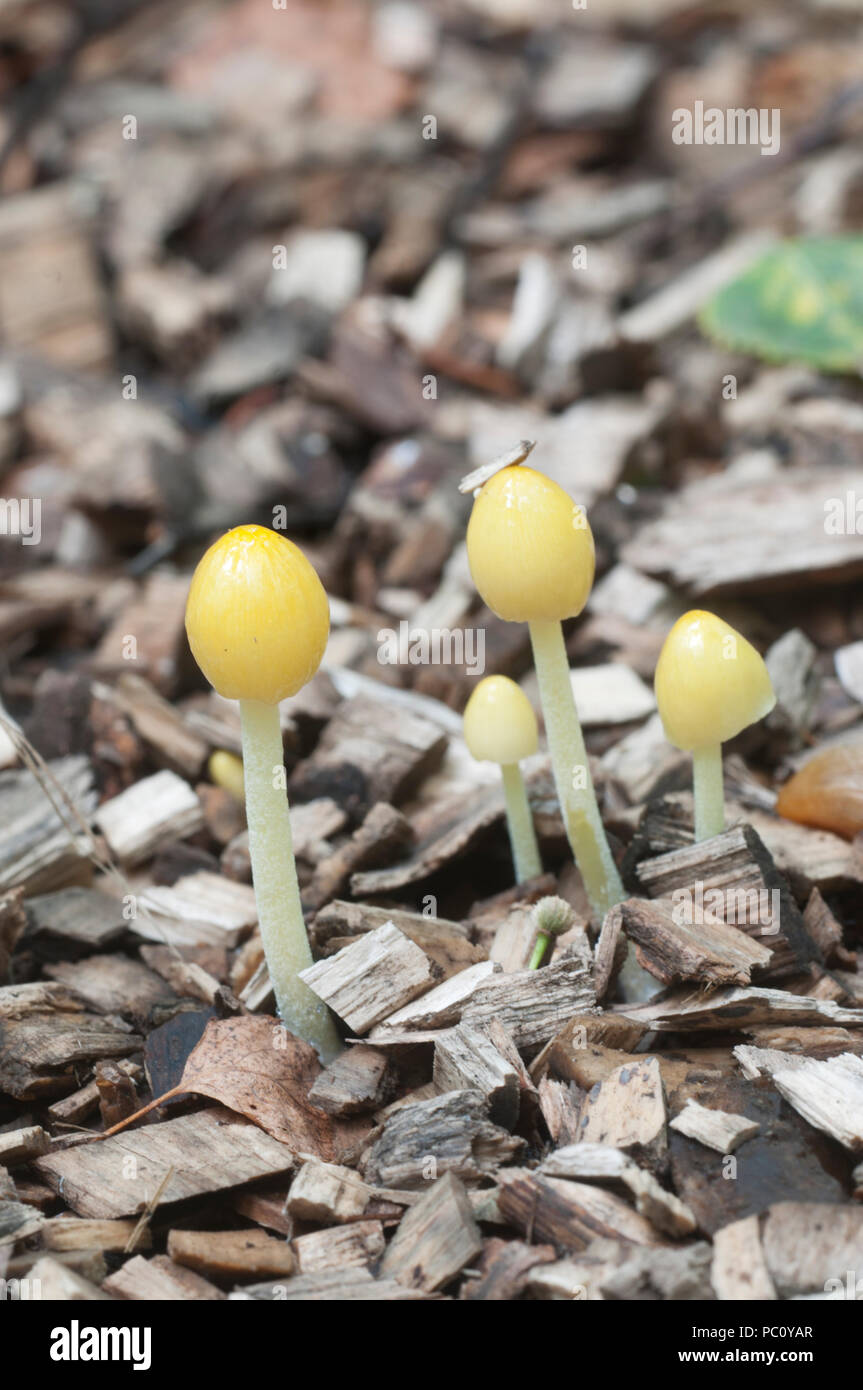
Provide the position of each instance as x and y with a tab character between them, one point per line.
257	620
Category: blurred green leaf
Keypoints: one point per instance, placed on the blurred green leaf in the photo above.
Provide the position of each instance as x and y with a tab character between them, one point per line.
802	301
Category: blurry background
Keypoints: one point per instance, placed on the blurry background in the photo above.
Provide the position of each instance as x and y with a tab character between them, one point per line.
325	256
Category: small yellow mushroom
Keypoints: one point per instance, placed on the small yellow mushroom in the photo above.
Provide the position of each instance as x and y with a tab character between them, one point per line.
531	555
500	727
710	683
257	619
226	770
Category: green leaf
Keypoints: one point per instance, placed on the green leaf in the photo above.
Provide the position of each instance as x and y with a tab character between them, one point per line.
802	301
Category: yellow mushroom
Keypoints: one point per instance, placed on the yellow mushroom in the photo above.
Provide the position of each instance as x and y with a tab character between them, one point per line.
226	770
257	620
500	727
710	683
531	555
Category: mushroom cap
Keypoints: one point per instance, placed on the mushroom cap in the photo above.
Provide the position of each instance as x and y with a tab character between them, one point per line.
257	616
499	722
530	547
710	682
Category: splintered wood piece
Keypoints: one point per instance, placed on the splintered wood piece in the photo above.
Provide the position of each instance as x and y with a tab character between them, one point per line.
811	1246
327	1192
627	1111
739	1010
79	917
149	814
370	751
504	1270
719	516
715	1128
568	1215
159	724
159	1280
533	1005
439	1007
114	985
207	1151
713	953
20	1145
383	836
186	977
334	1286
603	1164
733	877
466	1059
42	1054
360	1079
76	1233
201	907
372	977
38	852
61	1284
446	943
355	1246
444	832
739	1271
828	1094
244	1254
453	1130
560	1103
436	1239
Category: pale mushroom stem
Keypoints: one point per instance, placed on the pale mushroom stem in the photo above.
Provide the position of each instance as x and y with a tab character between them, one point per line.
519	821
274	875
581	818
708	791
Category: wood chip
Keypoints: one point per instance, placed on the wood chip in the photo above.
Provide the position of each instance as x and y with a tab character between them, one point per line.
76	917
568	1215
449	1133
198	908
739	1009
371	978
158	1280
362	1079
466	1059
328	1193
627	1111
715	1128
21	1145
811	1246
739	1271
334	1286
586	1162
674	950
149	814
63	1285
207	1151
355	1246
76	1233
232	1255
38	852
436	1239
439	1007
828	1094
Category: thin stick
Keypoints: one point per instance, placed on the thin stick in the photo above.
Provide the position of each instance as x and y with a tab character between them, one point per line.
581	818
274	874
519	823
708	789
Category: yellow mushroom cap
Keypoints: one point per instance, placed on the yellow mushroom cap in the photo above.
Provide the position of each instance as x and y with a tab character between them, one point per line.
226	770
710	682
530	547
257	616
499	722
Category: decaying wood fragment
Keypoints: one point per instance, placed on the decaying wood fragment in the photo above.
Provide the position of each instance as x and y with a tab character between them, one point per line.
827	1093
447	943
158	723
361	1079
533	1005
198	908
739	1270
732	877
439	1007
568	1215
77	1233
711	952
229	1255
466	1059
504	1269
57	1282
369	979
152	812
38	851
810	1247
328	1193
382	838
739	1010
352	1285
448	1133
158	1279
602	1164
715	1128
77	918
22	1145
207	1151
436	1239
356	1245
627	1111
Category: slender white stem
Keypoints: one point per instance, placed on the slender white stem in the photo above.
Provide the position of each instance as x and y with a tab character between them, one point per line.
572	778
708	789
519	823
274	875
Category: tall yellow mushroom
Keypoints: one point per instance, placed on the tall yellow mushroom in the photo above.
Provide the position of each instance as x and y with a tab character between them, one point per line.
257	619
710	684
531	555
500	727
